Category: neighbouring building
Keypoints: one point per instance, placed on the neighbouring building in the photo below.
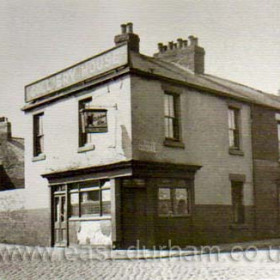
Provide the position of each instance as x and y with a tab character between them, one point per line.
11	182
125	148
11	158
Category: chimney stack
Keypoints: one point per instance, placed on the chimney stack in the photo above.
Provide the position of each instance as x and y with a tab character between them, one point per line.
5	129
190	56
129	37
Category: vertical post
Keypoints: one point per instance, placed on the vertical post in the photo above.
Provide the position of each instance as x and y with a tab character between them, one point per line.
116	211
151	210
67	213
52	216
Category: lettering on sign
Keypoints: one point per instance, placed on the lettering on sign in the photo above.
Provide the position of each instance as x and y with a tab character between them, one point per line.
80	72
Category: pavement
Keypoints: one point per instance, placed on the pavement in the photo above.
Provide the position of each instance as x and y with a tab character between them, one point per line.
255	260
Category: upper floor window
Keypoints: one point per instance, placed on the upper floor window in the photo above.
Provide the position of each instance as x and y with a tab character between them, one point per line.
234	129
38	133
91	121
171	116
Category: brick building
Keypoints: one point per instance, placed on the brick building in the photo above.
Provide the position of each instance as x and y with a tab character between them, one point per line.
11	182
11	158
125	147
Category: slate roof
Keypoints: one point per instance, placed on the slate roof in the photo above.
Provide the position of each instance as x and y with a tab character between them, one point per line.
206	82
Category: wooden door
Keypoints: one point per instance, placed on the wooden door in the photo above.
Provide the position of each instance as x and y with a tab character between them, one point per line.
60	220
134	217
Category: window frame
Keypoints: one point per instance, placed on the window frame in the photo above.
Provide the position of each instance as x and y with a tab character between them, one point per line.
38	135
174	118
173	185
236	131
99	187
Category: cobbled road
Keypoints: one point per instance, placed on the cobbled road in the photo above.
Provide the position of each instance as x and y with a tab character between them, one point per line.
256	265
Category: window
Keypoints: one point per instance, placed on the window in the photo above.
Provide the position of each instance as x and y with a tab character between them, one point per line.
237	202
90	121
38	134
90	199
173	200
171	116
233	125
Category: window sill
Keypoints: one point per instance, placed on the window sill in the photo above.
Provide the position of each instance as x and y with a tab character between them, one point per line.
174	143
235	152
86	148
93	218
238	226
39	157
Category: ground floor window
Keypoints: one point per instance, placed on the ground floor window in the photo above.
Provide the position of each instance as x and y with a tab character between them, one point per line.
237	202
174	198
90	199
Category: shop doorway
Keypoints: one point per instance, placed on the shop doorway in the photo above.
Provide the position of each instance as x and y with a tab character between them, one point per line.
60	220
134	217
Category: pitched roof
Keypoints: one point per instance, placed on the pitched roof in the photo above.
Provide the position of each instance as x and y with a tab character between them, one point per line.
206	82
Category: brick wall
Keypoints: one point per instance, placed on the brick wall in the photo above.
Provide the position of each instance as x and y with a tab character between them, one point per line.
213	225
266	170
28	227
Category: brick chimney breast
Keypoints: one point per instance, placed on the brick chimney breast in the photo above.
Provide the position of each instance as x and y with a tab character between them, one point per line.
5	129
128	36
190	56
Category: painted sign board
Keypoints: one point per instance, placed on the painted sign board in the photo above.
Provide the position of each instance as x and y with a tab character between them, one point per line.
91	67
94	120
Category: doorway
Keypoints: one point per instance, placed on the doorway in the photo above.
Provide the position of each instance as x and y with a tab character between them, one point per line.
60	220
134	217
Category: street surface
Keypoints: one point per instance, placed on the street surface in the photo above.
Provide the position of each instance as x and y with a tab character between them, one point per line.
20	263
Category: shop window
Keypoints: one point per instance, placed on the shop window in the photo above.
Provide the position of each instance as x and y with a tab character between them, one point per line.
171	116
237	202
90	199
38	133
90	121
173	200
234	128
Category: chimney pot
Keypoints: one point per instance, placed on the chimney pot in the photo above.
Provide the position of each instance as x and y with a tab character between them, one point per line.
180	43
193	40
123	28
160	47
5	129
129	27
185	43
170	45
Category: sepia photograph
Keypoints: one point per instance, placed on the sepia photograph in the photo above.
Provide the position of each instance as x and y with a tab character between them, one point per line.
139	139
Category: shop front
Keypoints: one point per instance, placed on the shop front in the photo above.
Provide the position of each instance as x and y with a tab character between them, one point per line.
129	204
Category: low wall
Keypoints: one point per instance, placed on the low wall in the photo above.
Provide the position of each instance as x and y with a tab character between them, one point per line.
19	225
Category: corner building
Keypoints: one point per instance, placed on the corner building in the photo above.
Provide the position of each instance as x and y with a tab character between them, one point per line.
127	149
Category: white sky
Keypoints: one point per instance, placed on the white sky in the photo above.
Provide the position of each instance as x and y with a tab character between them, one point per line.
39	37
